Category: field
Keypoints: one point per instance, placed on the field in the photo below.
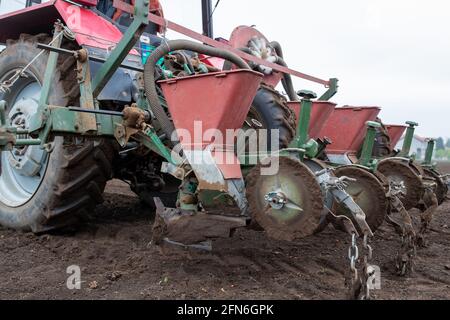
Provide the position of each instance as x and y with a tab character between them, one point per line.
118	262
444	166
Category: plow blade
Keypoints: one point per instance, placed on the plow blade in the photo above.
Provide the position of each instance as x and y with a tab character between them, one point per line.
186	228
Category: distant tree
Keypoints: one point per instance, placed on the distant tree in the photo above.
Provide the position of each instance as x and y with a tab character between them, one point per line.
440	145
448	143
443	154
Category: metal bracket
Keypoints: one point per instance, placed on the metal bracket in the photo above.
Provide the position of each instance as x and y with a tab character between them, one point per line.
134	31
337	188
86	122
366	158
173	170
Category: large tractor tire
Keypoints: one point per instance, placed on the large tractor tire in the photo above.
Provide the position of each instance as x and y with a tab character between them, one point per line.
270	112
382	147
40	192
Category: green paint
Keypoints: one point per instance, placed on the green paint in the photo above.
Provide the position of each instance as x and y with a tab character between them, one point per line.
429	153
27	142
332	90
38	120
130	37
408	139
3	113
301	139
367	150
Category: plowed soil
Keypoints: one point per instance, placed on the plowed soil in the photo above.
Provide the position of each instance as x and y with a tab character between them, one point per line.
117	261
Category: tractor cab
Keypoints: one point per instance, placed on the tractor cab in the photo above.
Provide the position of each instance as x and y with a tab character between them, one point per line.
123	19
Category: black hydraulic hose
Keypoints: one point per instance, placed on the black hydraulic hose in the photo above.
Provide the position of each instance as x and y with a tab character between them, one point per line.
277	46
187	61
150	67
228	65
287	81
287	78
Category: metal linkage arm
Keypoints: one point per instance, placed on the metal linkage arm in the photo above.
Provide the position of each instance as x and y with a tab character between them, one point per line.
8	135
136	29
366	158
429	153
337	188
408	138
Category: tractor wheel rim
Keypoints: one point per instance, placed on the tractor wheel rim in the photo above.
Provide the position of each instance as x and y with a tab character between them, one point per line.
24	167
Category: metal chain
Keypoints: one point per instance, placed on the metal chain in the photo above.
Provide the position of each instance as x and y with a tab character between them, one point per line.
368	270
353	256
361	282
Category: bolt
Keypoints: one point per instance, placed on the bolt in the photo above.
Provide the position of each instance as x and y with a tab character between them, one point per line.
412	124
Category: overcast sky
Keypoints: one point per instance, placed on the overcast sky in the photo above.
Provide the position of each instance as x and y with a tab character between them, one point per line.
389	53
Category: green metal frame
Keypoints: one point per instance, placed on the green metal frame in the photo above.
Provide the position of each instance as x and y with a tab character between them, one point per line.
407	142
301	140
332	90
130	37
366	159
428	162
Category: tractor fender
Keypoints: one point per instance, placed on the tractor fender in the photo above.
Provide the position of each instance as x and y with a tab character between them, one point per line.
92	31
90	28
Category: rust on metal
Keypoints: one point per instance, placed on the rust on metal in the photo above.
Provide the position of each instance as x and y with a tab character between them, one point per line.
86	122
190	228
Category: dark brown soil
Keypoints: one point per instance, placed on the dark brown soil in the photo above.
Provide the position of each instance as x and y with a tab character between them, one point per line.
444	167
117	262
